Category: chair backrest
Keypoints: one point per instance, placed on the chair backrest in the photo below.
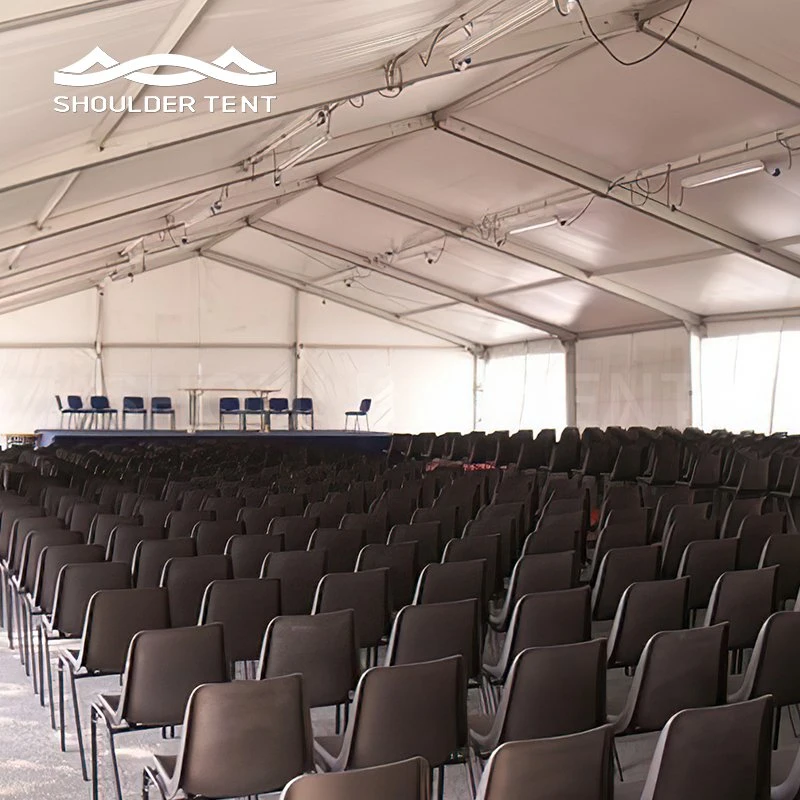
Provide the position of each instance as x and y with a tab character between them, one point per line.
401	780
341	545
328	514
296	530
212	537
299	572
426	703
256	520
150	556
784	551
243	738
51	560
365	405
366	593
161	404
678	536
545	619
400	560
753	533
744	599
82	516
254	404
556	534
223	508
35	543
458	580
438	630
618	570
99	402
113	618
303	405
713	753
616	535
278	404
74	402
427	536
506	529
186	578
704	562
228	404
321	647
247	553
75	585
447	515
104	524
163	668
677	670
154	512
472	548
124	538
737	511
180	524
133	403
530	709
244	607
575	767
645	609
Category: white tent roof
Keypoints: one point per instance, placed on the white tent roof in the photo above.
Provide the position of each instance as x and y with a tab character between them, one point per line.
405	212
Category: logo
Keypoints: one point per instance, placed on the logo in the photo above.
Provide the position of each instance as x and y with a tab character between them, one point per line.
252	74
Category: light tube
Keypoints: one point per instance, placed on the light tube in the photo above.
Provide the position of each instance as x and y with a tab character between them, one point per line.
303	152
282	136
722	174
535	226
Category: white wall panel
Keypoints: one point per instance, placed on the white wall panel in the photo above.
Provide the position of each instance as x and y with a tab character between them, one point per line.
637	379
411	390
66	320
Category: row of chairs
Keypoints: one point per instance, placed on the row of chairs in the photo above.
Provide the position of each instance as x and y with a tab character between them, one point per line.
100	413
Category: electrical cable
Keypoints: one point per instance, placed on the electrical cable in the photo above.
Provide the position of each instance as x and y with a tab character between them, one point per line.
636	61
574	219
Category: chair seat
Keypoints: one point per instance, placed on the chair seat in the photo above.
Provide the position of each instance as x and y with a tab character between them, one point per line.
328	748
355	413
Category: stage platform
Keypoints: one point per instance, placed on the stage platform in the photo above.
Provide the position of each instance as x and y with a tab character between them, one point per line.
364	442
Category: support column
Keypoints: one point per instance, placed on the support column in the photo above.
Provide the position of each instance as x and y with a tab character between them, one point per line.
572	383
295	378
99	373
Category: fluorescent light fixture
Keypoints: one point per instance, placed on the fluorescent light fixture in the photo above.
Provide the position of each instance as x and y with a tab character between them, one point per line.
131	246
535	226
722	174
304	152
319	117
528	13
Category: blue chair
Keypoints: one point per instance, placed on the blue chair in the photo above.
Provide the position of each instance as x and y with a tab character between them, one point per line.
279	406
135	406
76	409
363	411
102	411
254	405
302	407
229	407
162	406
66	411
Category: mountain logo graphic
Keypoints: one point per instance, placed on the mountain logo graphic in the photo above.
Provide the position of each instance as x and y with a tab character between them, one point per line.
195	70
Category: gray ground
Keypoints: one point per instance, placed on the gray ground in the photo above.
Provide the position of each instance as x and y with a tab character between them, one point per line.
31	765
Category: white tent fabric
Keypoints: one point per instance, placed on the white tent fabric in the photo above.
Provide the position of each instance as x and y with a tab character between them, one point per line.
533	195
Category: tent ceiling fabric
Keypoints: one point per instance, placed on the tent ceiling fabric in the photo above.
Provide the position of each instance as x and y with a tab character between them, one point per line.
406	212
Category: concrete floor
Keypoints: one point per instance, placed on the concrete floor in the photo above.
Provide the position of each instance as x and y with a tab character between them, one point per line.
32	766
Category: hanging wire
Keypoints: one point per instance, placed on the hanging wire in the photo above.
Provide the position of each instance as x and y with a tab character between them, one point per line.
643	58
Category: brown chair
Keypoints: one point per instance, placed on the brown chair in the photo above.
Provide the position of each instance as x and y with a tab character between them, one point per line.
373	525
247	552
186	580
240	739
82	517
438	630
753	533
113	618
447	517
543	572
322	648
155	512
446	583
530	708
180	524
295	530
365	592
400	559
544	619
744	599
574	767
737	511
783	551
223	508
341	545
244	607
256	520
400	712
474	548
644	610
329	514
426	536
401	780
719	753
506	529
211	538
162	670
150	556
677	670
615	536
678	537
556	534
774	667
103	525
704	562
299	572
124	538
618	570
